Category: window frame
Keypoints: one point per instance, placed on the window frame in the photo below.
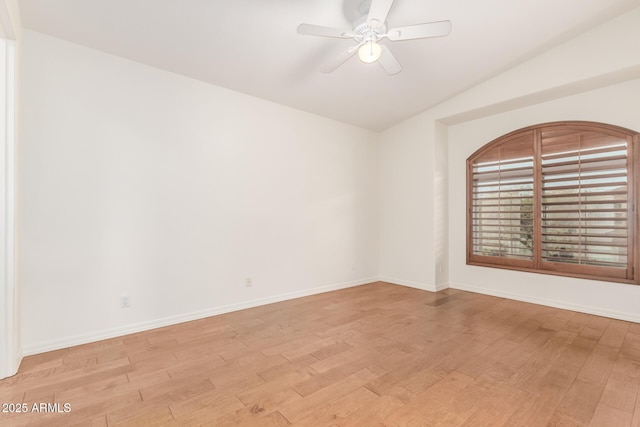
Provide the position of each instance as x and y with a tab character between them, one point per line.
537	264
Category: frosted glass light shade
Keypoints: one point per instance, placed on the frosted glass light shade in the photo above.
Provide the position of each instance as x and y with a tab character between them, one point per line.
369	52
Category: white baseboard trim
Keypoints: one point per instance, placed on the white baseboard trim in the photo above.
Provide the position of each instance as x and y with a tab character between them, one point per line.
442	287
631	317
181	318
417	285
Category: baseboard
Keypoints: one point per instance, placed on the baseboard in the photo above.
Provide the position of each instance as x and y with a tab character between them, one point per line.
172	320
631	317
10	368
18	359
442	287
417	285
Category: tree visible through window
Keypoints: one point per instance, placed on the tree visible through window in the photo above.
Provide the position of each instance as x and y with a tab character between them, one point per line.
556	198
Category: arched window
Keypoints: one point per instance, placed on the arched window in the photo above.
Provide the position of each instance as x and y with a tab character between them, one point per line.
557	198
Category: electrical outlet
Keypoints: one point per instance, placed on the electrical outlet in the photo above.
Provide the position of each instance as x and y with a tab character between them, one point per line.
248	282
125	301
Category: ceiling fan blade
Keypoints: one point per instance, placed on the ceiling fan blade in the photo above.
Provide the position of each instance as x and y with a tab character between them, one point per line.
420	31
331	65
317	30
389	62
378	12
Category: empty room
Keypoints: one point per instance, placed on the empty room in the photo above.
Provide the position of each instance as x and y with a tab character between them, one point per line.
320	213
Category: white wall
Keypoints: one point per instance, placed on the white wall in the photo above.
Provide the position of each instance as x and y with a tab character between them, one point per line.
406	215
422	165
137	181
616	104
10	48
441	221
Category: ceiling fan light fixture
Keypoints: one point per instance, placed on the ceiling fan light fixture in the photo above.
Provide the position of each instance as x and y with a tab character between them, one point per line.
370	28
370	52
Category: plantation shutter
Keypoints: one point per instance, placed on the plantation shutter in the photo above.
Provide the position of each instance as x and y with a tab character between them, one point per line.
585	206
502	202
557	198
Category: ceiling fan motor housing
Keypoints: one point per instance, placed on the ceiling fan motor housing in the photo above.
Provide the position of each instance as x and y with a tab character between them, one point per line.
365	32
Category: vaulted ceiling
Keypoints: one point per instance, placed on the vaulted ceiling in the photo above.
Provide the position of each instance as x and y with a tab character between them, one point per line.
251	46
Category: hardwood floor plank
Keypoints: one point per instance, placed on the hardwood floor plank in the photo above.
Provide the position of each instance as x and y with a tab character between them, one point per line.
481	361
331	350
428	402
615	334
90	386
472	397
215	399
599	365
176	390
581	400
281	383
636	413
286	367
274	419
301	408
628	364
606	416
563	420
307	349
207	411
369	415
201	366
578	351
631	343
338	410
155	415
498	406
621	392
264	409
407	368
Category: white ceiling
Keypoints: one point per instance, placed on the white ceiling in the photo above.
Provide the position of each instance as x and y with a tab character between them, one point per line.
251	46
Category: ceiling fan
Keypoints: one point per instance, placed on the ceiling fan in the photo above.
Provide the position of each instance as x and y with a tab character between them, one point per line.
368	30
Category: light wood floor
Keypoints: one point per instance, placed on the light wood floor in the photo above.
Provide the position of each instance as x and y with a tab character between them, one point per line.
377	354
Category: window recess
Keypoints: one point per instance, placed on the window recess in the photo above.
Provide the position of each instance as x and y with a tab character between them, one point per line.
556	198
